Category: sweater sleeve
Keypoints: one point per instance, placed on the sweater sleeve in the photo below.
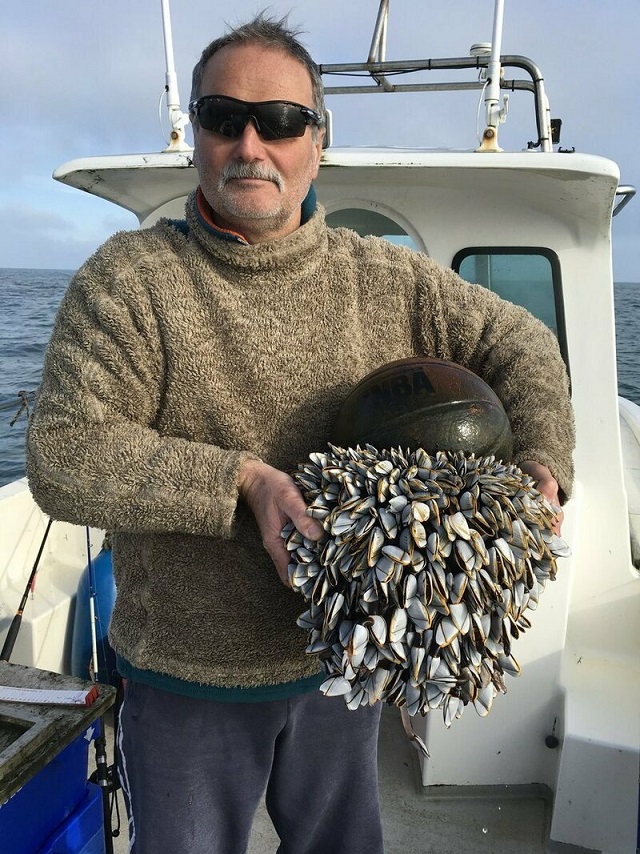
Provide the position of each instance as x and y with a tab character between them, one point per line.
93	455
518	356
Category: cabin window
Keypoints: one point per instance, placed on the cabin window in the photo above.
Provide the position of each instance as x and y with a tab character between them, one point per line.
371	223
529	277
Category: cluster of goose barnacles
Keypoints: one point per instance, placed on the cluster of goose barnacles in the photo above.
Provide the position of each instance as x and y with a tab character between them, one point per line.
421	580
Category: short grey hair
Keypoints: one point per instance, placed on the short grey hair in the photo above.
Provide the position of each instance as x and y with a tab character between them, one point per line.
269	32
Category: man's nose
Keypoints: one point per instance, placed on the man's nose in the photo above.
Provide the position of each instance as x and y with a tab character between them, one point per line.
250	145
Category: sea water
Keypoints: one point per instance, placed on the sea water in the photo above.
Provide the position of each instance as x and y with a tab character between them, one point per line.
30	298
28	303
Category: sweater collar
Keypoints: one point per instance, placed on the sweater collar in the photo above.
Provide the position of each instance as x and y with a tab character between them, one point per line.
205	215
285	258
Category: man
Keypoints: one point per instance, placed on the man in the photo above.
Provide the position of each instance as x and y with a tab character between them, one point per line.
191	366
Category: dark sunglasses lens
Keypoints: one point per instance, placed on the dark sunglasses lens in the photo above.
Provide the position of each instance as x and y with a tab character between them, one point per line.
280	121
221	119
274	121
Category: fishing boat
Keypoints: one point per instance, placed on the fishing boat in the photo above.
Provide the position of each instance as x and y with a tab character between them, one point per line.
554	766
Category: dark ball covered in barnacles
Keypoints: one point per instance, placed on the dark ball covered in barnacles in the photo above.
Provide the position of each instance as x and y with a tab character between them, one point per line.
423	576
424	402
430	556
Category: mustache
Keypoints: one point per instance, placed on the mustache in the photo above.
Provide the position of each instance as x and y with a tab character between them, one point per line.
239	169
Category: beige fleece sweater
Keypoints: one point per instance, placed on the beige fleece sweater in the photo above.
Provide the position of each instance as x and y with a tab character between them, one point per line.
176	357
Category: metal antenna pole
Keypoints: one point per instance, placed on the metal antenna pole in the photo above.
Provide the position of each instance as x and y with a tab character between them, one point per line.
177	118
492	98
494	114
378	49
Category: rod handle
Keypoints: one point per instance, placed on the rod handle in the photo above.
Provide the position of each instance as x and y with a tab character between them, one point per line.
10	640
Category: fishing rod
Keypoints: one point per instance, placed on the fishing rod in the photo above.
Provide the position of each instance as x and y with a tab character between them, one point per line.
14	628
104	776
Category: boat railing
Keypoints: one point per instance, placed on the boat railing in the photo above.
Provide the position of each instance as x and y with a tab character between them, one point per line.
485	58
379	73
624	194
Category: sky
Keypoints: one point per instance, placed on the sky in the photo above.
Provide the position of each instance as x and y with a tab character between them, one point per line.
83	78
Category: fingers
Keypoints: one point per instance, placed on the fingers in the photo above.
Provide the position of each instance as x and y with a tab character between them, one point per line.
275	500
547	486
276	550
308	527
558	520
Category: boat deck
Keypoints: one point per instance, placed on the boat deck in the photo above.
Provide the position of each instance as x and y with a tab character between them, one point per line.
484	820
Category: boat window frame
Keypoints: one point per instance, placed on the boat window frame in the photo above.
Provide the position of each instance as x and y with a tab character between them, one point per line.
383	210
556	281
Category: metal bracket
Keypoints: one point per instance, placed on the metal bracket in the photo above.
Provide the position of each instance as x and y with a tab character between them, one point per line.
626	192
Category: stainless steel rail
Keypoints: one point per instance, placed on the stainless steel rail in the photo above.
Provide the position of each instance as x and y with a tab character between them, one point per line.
379	72
626	192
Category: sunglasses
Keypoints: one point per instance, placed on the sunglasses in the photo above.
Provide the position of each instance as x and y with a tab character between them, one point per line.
273	119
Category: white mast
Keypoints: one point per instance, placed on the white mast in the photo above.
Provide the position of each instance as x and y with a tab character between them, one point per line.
493	112
177	118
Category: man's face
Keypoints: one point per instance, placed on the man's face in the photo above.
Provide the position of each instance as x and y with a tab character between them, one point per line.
257	208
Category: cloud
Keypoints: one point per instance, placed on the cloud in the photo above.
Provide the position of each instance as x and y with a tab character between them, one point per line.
38	238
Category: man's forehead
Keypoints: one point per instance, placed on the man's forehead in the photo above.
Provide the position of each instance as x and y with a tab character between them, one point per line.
268	71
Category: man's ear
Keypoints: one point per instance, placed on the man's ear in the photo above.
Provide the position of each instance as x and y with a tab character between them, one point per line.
318	146
194	157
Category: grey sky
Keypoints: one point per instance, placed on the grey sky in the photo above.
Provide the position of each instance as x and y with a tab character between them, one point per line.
82	78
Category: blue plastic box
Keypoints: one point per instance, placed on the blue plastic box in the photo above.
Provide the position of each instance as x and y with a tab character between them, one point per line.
50	801
83	831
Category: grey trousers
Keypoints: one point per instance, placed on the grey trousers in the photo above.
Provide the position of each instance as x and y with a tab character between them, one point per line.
193	773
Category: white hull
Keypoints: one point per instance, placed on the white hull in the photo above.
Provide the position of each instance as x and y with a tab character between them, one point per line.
45	634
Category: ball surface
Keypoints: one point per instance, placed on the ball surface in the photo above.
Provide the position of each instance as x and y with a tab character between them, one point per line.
424	402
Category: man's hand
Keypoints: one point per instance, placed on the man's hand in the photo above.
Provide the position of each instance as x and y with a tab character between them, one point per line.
547	485
275	500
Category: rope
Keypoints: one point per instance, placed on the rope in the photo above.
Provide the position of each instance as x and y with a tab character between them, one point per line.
26	398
